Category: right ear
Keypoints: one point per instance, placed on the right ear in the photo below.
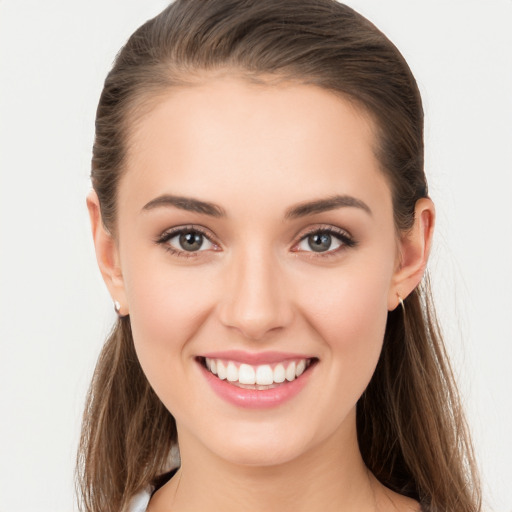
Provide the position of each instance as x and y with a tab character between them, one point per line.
107	254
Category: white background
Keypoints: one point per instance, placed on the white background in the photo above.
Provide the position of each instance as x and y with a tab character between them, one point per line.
54	311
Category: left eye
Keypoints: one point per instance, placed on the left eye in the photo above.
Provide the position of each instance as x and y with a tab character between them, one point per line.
323	241
188	241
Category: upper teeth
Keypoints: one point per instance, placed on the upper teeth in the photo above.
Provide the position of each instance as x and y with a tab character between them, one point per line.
263	375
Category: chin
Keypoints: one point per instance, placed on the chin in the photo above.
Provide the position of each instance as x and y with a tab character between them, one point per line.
272	446
261	456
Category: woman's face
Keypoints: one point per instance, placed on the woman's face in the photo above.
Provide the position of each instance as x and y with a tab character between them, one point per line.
256	230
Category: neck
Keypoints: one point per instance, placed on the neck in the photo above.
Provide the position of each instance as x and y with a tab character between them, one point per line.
329	476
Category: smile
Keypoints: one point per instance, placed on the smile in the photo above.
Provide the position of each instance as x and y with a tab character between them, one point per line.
256	386
264	376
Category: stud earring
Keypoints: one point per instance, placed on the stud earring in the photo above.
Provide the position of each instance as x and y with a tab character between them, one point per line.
117	307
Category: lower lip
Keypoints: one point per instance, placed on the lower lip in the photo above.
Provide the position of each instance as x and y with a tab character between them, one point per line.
255	398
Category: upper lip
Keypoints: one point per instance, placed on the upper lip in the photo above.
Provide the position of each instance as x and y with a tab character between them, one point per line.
255	358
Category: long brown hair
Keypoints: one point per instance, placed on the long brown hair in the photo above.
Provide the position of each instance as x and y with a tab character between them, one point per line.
411	429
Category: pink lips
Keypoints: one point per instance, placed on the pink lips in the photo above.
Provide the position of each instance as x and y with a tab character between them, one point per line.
254	398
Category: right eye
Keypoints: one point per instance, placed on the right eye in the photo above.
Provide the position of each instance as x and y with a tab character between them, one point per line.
186	241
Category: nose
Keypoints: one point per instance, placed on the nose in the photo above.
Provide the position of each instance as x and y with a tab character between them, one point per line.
255	296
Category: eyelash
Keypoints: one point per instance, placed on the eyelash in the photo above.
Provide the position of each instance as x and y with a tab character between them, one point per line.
343	236
164	238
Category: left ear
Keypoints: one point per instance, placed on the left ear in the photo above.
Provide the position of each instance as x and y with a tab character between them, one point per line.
414	247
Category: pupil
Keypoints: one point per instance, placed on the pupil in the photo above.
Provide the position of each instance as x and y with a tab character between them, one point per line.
319	242
191	241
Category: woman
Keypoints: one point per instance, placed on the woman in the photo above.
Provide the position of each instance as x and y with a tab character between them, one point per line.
261	219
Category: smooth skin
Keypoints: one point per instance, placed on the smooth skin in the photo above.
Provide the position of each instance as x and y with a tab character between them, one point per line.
256	283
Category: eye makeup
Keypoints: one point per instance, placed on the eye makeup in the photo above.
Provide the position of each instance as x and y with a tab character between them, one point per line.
192	240
192	235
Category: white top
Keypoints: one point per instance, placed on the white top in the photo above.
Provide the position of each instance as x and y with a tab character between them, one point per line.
139	502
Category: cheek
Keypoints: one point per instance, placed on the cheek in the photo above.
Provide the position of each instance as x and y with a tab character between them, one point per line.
166	310
350	317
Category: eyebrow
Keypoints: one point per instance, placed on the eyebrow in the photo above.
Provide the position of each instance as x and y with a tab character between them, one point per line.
324	205
186	203
301	210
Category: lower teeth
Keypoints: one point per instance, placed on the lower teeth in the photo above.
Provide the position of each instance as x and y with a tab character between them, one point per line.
254	386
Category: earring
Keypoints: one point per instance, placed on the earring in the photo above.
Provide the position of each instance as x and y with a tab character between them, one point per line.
117	307
401	302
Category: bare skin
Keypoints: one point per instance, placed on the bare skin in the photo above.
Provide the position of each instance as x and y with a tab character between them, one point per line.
350	488
256	282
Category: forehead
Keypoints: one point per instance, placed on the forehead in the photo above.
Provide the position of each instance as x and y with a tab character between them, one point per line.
228	136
